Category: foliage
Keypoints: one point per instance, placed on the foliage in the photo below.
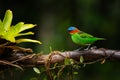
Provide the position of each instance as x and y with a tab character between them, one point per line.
9	32
66	70
59	71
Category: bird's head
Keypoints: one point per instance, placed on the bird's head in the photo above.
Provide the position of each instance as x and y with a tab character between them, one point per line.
73	30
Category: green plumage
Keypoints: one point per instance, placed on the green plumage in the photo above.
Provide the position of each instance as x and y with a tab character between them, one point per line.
84	39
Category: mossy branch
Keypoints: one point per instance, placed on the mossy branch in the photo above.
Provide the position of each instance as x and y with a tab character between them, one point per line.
26	58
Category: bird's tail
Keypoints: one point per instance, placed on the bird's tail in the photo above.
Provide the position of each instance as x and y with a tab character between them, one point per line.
101	39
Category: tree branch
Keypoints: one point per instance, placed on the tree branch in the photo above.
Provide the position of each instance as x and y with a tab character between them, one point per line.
89	55
26	58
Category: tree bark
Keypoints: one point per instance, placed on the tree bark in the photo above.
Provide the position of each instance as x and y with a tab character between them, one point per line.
14	55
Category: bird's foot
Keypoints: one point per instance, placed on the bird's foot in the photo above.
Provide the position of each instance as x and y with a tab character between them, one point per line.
88	47
93	47
78	49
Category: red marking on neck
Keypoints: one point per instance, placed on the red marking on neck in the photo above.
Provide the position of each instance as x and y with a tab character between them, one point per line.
74	31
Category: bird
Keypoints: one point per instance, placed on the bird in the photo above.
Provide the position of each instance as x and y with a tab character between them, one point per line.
81	38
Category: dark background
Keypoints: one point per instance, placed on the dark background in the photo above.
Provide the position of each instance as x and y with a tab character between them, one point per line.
100	18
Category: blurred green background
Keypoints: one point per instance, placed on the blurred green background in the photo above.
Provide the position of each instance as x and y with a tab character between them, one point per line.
100	18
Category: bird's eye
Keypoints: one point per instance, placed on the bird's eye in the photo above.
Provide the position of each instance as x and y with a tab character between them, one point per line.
69	30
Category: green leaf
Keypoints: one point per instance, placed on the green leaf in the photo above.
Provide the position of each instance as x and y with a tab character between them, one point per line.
14	30
76	66
26	26
10	37
28	40
2	31
50	49
12	33
54	77
36	70
22	34
84	65
68	61
9	32
75	72
81	59
71	61
7	20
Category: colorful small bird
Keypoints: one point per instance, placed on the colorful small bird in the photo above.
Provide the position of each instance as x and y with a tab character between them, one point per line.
81	38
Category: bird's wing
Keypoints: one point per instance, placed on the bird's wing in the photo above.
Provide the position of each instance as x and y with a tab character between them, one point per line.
85	35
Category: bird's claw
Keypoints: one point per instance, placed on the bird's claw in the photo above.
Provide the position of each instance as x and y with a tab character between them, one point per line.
78	49
93	47
88	47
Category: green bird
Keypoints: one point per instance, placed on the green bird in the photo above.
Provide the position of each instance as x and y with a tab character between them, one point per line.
81	38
